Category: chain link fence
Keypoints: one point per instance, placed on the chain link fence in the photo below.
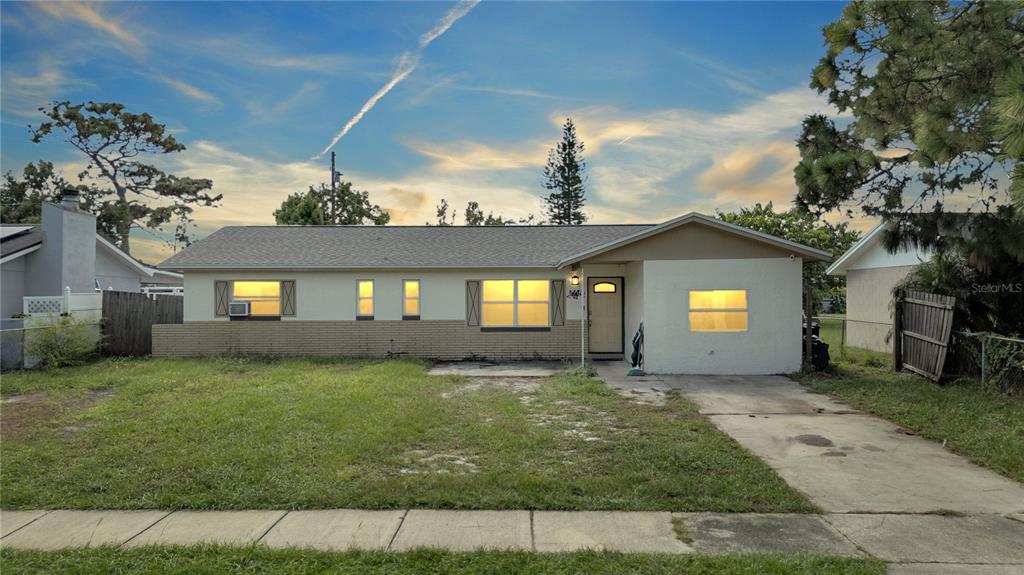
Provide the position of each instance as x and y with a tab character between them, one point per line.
996	360
993	359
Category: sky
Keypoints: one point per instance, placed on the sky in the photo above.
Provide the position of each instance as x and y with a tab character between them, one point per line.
682	106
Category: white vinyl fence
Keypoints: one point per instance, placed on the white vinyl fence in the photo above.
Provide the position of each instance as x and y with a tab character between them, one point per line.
38	312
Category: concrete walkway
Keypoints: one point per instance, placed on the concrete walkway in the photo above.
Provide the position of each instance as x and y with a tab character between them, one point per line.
843	460
973	544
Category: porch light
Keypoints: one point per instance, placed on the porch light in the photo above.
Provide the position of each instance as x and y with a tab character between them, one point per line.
574	279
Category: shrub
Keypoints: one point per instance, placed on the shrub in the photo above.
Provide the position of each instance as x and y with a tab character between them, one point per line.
61	342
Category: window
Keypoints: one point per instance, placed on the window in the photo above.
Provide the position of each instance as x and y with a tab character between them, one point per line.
364	299
718	310
604	287
264	297
515	303
411	299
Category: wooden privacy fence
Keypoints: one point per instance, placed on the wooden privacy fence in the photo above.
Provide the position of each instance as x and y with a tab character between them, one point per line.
128	320
922	325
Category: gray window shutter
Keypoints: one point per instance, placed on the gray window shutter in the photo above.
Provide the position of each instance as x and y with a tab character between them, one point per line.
221	291
557	302
473	303
288	297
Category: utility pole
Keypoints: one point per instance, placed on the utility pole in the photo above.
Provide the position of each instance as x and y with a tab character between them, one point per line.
334	178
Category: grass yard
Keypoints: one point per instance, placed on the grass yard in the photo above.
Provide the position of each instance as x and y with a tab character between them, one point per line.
197	560
980	423
306	434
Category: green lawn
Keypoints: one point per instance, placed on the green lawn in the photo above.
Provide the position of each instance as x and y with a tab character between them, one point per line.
198	560
978	422
302	434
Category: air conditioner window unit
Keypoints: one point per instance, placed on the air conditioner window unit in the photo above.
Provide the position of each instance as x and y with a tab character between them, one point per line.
238	309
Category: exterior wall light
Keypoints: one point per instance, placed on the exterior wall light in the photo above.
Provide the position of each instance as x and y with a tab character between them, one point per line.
574	279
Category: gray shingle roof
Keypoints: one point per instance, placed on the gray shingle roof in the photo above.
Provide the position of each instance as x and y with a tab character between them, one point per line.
16	239
245	247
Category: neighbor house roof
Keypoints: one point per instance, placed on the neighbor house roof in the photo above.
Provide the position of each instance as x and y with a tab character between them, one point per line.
300	247
865	245
17	240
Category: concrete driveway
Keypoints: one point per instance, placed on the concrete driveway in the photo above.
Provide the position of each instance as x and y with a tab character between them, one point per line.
843	460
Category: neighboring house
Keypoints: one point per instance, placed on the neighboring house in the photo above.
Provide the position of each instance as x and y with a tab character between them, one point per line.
65	251
871	274
713	297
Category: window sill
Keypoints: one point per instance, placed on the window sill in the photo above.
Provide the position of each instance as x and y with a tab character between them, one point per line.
255	318
499	329
410	318
364	318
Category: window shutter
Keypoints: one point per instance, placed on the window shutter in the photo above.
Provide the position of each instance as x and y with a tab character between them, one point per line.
473	303
288	297
221	290
557	302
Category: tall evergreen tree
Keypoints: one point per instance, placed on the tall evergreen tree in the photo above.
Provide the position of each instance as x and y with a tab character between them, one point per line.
564	177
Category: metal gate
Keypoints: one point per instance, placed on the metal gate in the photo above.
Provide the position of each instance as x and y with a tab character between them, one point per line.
922	325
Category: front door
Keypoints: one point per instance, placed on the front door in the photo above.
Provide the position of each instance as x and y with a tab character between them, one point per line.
604	309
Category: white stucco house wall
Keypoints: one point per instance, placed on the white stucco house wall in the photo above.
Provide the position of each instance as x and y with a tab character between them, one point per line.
713	297
871	274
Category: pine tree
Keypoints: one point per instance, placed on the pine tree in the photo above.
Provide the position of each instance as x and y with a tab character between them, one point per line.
564	175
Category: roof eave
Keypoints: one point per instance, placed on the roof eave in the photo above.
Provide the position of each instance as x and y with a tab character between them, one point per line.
839	267
806	251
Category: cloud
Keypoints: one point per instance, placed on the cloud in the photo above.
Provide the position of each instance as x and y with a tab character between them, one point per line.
736	79
188	90
24	94
519	92
476	156
324	63
749	174
90	15
263	112
405	65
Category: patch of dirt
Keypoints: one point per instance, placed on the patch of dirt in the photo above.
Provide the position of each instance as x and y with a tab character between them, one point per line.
423	462
580	422
647	395
524	387
26	414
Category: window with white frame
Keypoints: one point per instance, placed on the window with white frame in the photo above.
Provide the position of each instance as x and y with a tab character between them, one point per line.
364	299
515	303
718	311
410	299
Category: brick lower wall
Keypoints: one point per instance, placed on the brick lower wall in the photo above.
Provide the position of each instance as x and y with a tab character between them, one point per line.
427	339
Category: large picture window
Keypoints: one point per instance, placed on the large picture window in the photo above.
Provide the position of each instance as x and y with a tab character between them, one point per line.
264	297
515	303
718	310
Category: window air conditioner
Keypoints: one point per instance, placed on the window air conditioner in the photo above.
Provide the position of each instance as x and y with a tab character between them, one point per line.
238	309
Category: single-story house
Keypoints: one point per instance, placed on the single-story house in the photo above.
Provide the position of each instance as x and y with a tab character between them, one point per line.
62	251
871	274
712	297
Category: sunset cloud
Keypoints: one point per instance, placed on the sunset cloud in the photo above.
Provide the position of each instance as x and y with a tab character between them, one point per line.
91	15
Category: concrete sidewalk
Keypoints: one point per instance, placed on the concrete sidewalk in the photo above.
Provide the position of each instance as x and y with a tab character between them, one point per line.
981	544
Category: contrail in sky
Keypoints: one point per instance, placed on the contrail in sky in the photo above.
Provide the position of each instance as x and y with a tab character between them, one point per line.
407	62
